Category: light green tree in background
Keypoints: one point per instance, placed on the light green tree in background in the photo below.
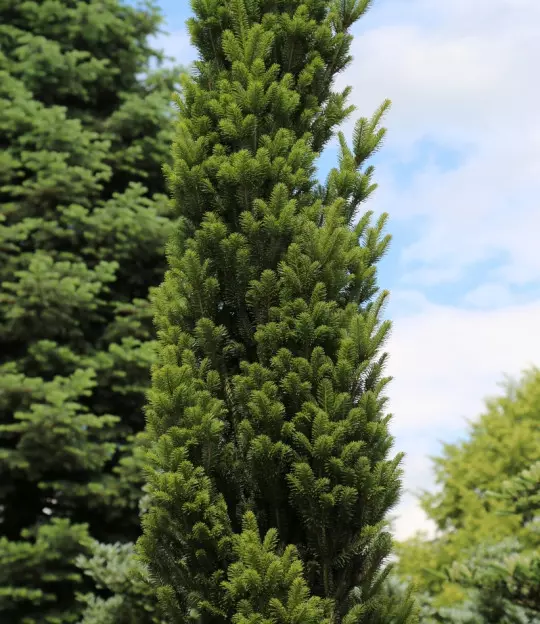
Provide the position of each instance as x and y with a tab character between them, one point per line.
483	567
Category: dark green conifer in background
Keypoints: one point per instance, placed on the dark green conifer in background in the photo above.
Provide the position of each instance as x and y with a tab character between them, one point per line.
270	473
85	127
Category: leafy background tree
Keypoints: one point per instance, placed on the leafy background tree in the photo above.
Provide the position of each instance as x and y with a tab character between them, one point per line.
85	129
268	395
483	566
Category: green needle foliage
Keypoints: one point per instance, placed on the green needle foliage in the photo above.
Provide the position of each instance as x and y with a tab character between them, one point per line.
85	127
268	396
266	588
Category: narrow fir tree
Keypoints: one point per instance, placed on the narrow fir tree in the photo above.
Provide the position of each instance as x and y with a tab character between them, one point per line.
267	398
84	129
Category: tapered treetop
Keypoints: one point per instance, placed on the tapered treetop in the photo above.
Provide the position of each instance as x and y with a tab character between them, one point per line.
267	398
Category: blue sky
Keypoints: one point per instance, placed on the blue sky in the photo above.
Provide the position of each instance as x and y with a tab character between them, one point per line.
459	175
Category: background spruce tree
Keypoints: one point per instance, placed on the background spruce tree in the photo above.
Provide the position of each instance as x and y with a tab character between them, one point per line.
267	398
85	128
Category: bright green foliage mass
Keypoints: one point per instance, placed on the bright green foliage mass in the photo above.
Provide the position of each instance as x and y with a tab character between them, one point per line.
504	441
503	579
484	567
84	128
268	396
266	588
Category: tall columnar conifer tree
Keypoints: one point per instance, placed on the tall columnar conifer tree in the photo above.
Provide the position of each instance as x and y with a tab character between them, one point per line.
269	469
85	126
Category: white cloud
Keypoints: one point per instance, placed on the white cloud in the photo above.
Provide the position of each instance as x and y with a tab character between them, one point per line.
410	520
445	360
448	62
489	295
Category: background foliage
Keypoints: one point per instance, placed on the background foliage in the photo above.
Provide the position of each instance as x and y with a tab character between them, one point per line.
85	129
483	567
